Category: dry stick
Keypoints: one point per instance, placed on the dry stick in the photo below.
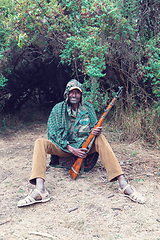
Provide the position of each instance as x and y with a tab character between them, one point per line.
117	209
111	196
6	221
5	178
74	209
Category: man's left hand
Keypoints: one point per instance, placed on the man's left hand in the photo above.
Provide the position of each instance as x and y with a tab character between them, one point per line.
97	131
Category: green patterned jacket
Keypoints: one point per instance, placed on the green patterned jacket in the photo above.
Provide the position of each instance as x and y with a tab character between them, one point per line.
64	127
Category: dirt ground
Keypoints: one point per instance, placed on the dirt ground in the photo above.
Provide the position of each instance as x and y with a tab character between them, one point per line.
86	208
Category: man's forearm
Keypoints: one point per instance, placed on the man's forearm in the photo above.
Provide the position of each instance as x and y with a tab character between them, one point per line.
78	152
70	148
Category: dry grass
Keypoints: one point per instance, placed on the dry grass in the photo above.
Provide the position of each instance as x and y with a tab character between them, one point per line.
140	125
22	119
130	125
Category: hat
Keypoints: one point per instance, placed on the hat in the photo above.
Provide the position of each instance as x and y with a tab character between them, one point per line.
75	87
72	84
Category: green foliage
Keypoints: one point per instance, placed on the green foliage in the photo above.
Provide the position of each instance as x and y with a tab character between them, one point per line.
3	81
98	32
6	19
83	28
152	68
6	35
81	32
110	42
94	22
143	15
22	38
149	70
89	33
95	94
90	54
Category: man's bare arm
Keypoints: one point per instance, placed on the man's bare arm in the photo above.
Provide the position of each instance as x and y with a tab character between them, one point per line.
79	152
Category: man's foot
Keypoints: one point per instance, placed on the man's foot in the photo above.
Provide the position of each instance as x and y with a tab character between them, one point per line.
34	197
131	193
36	193
127	189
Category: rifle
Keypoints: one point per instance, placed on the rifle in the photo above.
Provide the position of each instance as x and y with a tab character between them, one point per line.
77	165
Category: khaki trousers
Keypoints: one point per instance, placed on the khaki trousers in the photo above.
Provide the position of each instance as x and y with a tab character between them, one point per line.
43	147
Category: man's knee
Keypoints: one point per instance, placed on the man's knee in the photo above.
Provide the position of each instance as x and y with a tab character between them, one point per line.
101	142
101	137
39	141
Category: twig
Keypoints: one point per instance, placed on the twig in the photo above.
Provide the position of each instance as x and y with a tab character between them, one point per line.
5	178
111	196
73	209
6	221
117	209
42	234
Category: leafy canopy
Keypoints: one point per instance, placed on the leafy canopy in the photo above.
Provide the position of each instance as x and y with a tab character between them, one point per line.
90	35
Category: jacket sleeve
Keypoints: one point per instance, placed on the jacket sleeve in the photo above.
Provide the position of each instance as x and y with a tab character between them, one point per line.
57	129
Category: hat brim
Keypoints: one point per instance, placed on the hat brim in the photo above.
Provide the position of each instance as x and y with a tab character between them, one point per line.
72	88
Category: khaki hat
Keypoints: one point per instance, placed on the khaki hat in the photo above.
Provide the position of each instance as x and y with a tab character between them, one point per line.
75	87
71	85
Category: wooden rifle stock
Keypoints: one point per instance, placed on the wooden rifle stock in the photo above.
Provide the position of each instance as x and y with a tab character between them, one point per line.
77	165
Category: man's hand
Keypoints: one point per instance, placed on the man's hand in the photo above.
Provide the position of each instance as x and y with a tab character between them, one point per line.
79	152
97	131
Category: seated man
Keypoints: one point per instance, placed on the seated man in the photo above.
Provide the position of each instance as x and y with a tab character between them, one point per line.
69	125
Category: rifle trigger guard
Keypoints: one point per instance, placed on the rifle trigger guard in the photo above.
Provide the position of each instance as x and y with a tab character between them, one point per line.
74	171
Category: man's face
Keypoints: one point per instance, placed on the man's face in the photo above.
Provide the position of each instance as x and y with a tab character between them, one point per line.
74	96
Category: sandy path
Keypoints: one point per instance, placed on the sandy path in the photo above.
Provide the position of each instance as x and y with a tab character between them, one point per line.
87	208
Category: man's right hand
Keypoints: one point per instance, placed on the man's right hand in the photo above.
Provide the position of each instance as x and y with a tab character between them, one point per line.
78	152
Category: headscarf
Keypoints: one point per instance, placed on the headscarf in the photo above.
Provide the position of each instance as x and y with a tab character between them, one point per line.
72	84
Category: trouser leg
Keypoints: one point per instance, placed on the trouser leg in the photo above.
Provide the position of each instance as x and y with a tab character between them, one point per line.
107	157
43	147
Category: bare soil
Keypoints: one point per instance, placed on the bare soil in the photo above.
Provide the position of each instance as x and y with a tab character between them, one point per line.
86	208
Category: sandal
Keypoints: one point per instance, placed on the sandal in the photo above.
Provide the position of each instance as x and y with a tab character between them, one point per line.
30	200
135	196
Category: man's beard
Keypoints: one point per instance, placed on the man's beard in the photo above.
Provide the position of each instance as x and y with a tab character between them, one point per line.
74	100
